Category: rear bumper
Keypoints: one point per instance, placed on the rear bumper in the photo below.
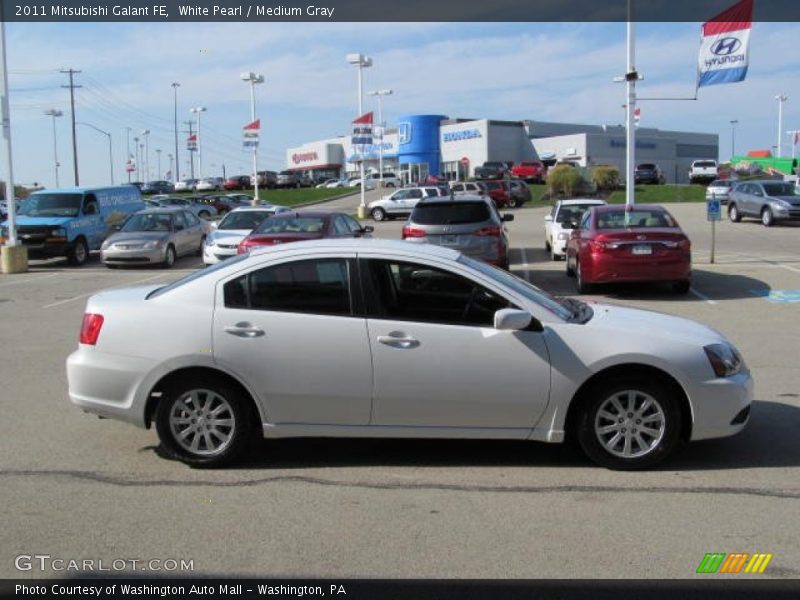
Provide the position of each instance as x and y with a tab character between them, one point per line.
601	268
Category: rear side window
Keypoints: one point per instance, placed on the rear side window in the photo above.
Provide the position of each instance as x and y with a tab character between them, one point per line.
450	213
320	287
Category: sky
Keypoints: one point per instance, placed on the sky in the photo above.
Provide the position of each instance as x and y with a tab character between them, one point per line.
539	71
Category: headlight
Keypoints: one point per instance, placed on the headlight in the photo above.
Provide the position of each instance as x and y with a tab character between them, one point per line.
725	359
153	244
60	232
783	204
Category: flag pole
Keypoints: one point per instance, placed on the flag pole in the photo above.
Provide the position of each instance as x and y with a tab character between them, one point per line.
630	142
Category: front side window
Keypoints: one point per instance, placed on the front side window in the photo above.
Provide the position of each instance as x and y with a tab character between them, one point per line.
319	286
412	292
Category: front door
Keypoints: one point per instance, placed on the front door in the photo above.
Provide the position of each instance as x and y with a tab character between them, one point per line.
288	330
437	359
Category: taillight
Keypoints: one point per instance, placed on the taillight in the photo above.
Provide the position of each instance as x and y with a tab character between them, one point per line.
413	232
90	328
597	245
493	231
243	246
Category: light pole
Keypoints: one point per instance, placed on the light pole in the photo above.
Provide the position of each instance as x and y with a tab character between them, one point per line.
198	110
141	159
158	154
146	157
781	98
733	138
136	157
175	86
253	79
170	157
53	112
110	154
361	62
128	156
380	94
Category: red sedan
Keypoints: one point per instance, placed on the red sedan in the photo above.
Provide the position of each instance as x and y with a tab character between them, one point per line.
643	244
288	227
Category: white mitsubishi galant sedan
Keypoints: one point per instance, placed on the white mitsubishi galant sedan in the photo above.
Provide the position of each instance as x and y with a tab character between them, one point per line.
371	338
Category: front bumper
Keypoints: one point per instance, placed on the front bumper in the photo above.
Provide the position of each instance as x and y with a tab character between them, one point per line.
133	256
718	405
214	254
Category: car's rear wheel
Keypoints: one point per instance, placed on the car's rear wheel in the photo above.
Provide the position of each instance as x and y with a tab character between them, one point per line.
570	270
681	287
583	286
169	257
629	423
199	251
733	214
203	423
767	218
378	214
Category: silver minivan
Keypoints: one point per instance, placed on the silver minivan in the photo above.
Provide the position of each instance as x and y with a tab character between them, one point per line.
469	224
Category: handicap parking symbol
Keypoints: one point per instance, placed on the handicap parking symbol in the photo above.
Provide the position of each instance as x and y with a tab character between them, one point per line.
779	296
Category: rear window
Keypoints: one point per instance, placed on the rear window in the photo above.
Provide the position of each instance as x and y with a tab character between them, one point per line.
291	225
647	166
705	163
450	213
623	219
721	183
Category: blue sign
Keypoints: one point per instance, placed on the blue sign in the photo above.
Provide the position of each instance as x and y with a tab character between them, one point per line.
713	210
403	133
466	134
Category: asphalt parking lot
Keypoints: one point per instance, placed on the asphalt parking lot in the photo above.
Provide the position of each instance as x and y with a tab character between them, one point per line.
76	487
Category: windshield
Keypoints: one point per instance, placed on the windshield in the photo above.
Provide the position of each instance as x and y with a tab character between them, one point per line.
780	189
52	205
292	225
646	167
522	287
249	219
622	219
573	212
148	222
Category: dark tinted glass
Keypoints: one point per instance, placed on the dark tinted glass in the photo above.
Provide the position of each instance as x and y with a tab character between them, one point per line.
450	213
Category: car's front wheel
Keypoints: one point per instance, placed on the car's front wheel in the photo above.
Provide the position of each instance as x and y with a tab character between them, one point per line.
203	423
733	214
767	218
629	424
169	257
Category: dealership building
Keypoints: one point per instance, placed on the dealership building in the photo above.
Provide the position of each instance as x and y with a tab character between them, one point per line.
423	145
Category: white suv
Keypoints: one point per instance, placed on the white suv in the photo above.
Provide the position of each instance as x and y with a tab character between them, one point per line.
703	171
400	203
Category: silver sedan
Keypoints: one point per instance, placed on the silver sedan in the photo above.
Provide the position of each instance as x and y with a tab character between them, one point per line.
398	340
155	236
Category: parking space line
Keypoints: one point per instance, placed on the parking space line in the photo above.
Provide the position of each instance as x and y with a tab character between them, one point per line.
694	292
66	301
29	279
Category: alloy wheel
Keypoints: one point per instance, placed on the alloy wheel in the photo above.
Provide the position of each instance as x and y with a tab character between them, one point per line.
630	424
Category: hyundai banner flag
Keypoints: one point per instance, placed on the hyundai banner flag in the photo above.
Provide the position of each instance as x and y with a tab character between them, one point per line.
362	130
725	46
250	134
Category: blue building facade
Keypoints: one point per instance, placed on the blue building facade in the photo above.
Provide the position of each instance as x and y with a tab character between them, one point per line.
419	145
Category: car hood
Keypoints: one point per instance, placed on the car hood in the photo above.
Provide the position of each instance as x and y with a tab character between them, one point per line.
228	235
795	200
651	324
138	236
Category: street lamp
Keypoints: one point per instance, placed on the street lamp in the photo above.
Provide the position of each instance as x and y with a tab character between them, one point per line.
136	164
158	154
170	157
175	86
198	110
146	134
361	62
733	137
110	153
253	79
781	98
53	112
380	94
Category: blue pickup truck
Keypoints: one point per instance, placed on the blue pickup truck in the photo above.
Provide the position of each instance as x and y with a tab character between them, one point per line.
72	222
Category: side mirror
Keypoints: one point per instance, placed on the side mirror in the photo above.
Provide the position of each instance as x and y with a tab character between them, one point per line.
117	227
510	319
367	229
507	218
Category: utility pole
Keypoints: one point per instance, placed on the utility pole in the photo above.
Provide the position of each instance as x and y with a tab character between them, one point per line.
175	86
190	123
128	151
53	112
72	86
158	154
136	159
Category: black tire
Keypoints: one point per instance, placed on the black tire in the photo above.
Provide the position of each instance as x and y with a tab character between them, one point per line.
169	257
733	213
580	284
378	214
78	254
547	246
767	218
570	270
553	256
588	425
681	287
209	395
389	185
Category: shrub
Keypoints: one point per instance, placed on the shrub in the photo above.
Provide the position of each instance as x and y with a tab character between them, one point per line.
563	180
605	177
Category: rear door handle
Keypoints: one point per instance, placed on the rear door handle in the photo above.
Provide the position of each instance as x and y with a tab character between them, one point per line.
398	340
245	330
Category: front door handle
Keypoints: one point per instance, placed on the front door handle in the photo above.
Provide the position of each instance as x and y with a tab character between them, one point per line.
245	330
398	340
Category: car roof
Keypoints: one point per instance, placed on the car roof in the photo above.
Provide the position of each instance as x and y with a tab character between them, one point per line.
168	210
455	199
366	245
582	201
621	207
260	207
317	214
